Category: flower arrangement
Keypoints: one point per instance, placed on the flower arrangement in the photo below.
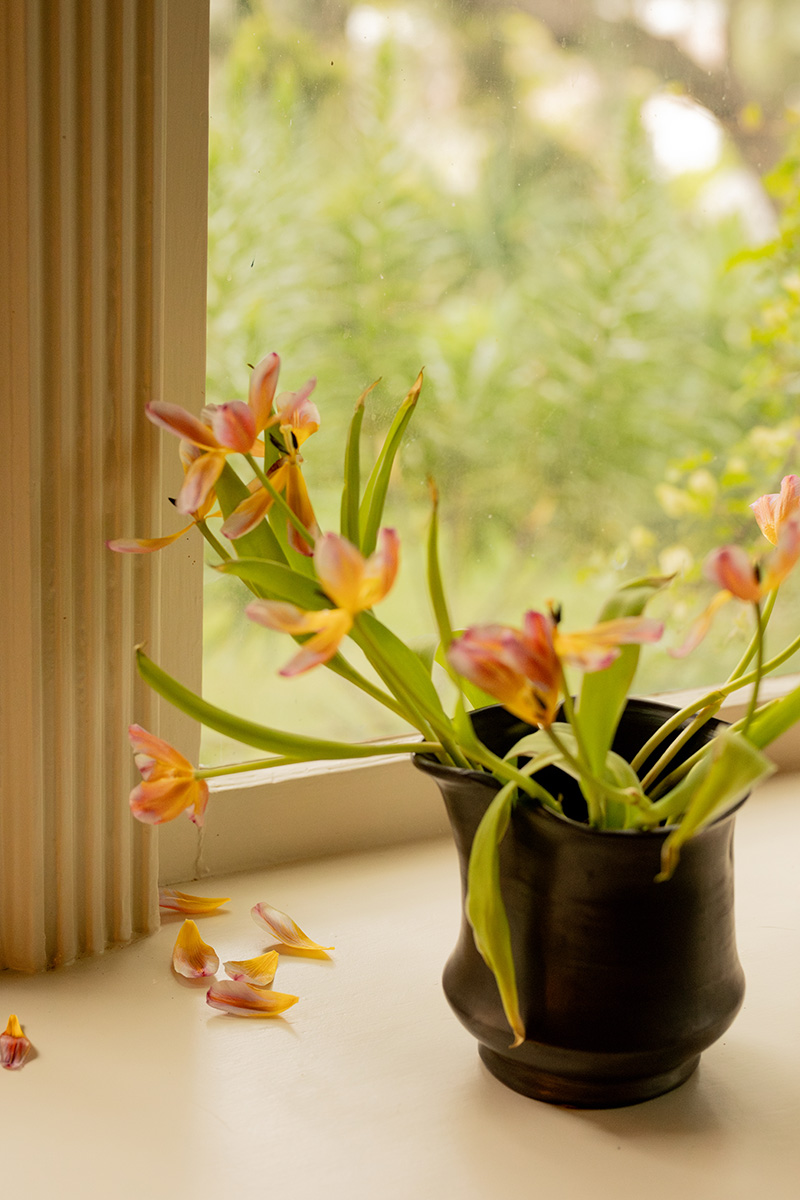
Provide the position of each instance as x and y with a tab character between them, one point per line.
243	466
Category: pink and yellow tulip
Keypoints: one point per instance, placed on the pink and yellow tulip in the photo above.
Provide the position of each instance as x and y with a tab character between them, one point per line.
524	668
297	419
773	510
224	429
352	582
169	786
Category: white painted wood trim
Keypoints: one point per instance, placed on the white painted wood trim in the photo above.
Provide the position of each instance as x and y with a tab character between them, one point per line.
102	306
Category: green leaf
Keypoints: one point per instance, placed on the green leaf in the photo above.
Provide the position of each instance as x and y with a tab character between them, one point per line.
774	719
408	665
371	511
603	693
349	524
261	541
723	776
277	581
485	909
262	737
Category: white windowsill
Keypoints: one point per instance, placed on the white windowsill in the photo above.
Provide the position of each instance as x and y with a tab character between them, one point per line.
369	1087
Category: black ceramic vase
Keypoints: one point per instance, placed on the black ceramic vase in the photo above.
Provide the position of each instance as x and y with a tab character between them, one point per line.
622	981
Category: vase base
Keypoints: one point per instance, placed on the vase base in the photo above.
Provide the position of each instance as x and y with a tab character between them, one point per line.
573	1092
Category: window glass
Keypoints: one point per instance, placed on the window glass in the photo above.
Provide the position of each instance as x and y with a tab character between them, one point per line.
560	211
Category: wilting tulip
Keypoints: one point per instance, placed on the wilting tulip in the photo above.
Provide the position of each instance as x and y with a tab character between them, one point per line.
739	577
223	429
298	418
169	786
523	668
352	582
189	454
773	510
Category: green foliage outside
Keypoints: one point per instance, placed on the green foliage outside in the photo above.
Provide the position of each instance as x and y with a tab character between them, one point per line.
609	375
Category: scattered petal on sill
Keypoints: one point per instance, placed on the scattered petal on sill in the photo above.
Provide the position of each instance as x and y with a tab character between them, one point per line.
14	1046
260	971
284	929
192	956
197	906
243	1000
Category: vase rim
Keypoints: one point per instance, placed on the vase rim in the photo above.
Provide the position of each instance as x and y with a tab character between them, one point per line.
430	766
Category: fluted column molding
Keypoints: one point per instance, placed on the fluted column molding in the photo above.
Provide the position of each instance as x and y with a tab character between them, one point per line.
102	306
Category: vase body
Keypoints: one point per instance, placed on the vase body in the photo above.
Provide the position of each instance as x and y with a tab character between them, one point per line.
622	981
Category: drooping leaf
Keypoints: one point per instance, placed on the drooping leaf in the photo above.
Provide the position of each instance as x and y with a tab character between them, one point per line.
408	665
732	766
485	909
371	510
603	693
293	746
278	581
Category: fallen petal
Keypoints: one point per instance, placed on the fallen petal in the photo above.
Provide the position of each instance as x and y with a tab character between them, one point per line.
14	1046
283	928
192	957
259	972
183	902
242	1000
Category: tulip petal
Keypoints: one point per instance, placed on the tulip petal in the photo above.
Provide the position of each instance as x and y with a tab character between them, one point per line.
783	557
182	423
234	426
183	902
240	999
247	514
259	971
191	956
263	382
340	569
730	567
147	744
772	510
199	482
299	502
14	1046
145	545
380	569
701	626
283	928
297	415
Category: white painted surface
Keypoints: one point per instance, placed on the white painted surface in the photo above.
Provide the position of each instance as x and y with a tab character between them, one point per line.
369	1087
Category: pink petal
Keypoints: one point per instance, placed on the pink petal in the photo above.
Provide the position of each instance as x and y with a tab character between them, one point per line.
263	382
380	569
182	423
701	626
144	545
730	567
247	514
322	647
783	557
285	617
772	510
299	502
191	956
283	929
234	426
154	747
340	568
199	482
14	1046
243	1000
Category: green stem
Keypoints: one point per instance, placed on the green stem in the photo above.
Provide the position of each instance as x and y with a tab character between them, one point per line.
757	638
278	499
691	729
621	794
499	767
213	542
262	764
753	705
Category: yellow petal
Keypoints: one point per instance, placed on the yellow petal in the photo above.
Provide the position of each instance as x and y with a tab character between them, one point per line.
283	928
260	971
14	1046
243	1000
191	956
183	902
